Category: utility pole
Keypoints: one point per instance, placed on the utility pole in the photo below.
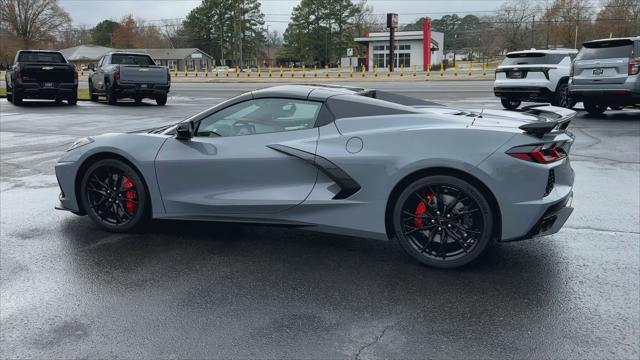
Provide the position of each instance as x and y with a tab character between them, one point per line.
533	33
575	42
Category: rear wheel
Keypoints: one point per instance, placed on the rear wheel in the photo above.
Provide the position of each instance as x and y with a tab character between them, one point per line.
594	108
563	98
616	107
510	104
114	196
111	95
16	97
443	221
73	99
161	99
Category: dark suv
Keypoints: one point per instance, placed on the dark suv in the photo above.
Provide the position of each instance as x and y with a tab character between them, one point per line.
606	74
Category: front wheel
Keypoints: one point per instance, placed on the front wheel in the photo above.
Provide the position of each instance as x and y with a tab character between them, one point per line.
92	96
594	108
510	104
443	221
111	95
161	100
114	196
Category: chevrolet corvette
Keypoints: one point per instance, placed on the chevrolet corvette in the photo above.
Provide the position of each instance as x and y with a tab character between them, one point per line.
445	183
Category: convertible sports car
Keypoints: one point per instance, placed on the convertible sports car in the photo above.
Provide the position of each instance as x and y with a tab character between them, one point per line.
444	182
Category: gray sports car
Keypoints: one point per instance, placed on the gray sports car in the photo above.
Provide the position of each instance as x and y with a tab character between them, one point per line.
444	182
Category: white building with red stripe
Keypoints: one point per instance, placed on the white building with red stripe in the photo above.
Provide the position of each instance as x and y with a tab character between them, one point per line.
411	48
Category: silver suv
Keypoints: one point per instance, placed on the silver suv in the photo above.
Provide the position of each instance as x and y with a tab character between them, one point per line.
606	74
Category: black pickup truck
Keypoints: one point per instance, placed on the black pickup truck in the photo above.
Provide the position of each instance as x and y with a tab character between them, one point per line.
41	74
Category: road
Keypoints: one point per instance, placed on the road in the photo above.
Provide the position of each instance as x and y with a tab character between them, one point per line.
196	290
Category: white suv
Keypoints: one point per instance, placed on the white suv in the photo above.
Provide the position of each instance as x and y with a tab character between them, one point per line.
535	75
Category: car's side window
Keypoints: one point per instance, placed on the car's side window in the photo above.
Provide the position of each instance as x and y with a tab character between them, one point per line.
260	116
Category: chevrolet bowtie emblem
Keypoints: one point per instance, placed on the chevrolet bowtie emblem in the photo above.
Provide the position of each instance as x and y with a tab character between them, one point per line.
143	69
47	67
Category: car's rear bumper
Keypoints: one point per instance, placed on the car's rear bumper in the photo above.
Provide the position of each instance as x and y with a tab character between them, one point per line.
39	91
612	95
142	90
532	93
551	220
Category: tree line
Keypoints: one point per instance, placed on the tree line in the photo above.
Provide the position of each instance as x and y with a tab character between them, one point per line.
234	32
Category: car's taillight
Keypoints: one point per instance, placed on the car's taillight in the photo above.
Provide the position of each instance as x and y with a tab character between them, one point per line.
634	66
18	72
539	153
116	73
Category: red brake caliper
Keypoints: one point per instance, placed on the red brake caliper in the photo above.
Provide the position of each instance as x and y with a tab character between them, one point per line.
129	195
421	209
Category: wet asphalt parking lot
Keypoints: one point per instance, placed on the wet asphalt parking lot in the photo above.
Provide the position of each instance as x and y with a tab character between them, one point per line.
195	290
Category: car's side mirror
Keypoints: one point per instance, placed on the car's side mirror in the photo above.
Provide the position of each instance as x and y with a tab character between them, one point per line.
91	67
184	130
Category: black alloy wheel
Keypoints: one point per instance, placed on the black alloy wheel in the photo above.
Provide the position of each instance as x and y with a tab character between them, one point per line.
114	196
510	104
563	98
443	221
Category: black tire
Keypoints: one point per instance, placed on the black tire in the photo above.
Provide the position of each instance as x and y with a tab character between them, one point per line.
111	95
16	97
594	108
73	100
562	97
616	107
510	104
92	96
104	189
161	100
454	211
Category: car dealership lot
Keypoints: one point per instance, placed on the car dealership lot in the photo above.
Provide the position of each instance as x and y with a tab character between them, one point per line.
202	290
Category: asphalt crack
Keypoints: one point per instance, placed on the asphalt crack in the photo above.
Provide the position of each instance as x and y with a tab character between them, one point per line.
601	230
375	340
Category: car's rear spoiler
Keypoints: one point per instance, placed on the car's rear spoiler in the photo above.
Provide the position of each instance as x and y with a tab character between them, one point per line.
552	118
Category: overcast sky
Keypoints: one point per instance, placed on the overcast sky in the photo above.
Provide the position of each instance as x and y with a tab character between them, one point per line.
277	12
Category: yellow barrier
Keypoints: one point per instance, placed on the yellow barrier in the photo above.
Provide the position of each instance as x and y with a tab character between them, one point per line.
326	70
455	70
375	71
364	71
315	71
414	70
259	74
237	71
281	71
470	68
388	70
270	71
441	69
291	70
304	71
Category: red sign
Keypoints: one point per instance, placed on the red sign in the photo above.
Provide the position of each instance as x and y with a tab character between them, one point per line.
392	20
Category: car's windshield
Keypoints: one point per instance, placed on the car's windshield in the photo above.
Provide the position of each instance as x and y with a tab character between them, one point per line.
128	59
533	58
41	57
606	50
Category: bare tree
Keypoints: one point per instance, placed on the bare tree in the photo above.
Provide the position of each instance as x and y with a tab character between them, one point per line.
32	22
514	19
